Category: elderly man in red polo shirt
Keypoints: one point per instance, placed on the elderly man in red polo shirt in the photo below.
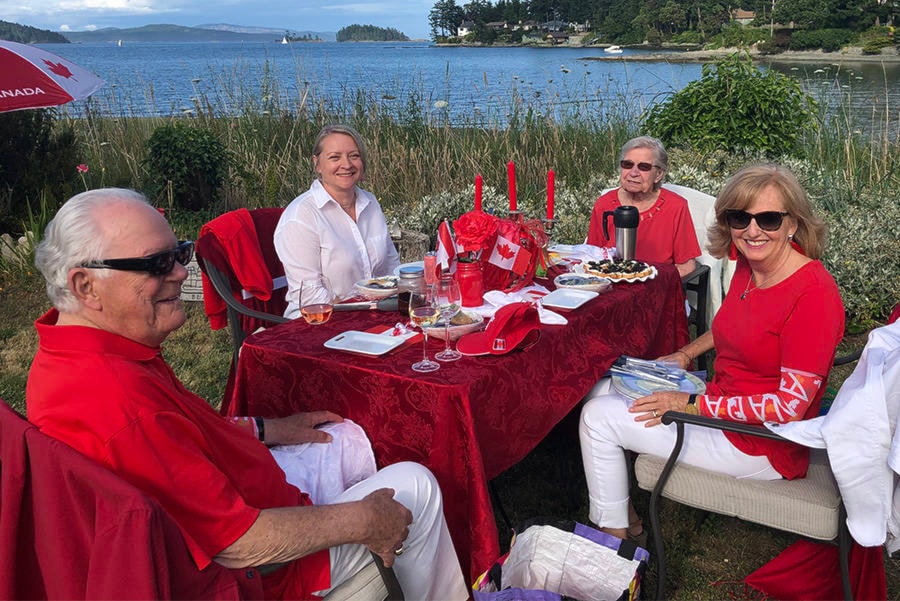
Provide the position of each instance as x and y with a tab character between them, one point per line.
114	271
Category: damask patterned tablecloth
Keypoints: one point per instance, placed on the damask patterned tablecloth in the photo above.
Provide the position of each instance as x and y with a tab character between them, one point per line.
473	418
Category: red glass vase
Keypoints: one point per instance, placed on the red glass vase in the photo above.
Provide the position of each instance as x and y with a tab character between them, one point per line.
471	286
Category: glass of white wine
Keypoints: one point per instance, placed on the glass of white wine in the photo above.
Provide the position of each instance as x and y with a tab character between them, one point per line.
424	312
316	300
448	298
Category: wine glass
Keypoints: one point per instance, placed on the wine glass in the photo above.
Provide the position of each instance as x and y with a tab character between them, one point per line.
448	299
316	300
424	312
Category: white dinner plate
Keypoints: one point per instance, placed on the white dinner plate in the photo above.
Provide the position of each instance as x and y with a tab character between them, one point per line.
567	298
634	387
366	343
377	288
413	264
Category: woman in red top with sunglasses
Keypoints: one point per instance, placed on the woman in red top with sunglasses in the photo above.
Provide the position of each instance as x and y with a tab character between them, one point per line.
775	338
666	232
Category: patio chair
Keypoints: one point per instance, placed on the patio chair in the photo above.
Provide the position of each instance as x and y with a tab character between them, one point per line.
72	529
245	311
809	506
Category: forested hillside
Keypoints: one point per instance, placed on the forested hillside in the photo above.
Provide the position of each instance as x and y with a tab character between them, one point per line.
29	35
637	21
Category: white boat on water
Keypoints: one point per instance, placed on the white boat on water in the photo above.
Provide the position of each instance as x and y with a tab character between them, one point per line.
284	40
613	49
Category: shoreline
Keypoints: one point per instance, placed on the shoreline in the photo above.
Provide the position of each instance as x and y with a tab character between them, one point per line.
852	54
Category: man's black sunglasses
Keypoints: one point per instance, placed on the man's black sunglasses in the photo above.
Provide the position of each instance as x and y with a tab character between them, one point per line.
769	221
160	263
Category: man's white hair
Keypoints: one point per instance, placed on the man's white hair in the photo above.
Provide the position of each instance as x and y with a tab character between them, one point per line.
73	237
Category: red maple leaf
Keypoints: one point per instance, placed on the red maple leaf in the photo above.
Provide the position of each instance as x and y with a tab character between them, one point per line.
59	68
505	251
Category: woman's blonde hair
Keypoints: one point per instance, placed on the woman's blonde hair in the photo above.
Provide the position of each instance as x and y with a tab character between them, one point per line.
747	184
340	128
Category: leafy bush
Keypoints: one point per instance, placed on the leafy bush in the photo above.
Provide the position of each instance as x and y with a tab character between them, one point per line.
189	159
738	36
735	106
863	256
875	46
38	156
829	40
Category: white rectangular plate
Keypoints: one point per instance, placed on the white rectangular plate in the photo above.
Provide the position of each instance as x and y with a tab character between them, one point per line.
567	298
366	343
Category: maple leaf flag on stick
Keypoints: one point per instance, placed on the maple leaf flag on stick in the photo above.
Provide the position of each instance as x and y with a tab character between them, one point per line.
506	254
446	247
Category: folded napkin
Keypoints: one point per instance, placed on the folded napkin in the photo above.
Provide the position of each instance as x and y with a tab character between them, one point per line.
585	252
494	299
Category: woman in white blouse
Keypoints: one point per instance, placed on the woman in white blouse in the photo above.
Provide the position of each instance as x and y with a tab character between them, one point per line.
335	228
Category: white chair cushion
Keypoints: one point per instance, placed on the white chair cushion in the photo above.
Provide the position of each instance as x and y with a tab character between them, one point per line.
814	501
365	585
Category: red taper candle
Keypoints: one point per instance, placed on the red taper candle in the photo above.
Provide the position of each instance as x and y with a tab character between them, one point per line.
511	176
551	182
478	186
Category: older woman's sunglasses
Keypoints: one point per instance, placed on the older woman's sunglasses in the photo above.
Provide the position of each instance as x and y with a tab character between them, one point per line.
629	165
161	263
769	221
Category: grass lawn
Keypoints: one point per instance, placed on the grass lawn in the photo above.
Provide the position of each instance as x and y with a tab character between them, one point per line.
705	562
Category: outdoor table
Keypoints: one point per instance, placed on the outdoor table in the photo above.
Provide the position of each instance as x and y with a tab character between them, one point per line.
473	418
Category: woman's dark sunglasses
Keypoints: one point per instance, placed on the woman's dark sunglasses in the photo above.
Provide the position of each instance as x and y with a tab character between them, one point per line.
769	221
629	165
157	264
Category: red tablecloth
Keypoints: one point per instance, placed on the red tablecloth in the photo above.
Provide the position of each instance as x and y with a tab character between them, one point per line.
473	418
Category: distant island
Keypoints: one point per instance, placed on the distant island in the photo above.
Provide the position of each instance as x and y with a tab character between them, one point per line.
159	33
370	33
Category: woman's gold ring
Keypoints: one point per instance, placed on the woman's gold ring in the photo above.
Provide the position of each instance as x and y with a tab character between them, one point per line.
399	551
655	413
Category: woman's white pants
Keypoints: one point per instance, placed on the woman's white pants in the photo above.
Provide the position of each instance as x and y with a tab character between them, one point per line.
607	429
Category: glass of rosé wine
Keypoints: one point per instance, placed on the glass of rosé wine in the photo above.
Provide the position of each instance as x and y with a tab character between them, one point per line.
316	300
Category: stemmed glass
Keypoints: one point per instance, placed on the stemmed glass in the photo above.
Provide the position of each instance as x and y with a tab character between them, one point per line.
448	298
424	312
316	300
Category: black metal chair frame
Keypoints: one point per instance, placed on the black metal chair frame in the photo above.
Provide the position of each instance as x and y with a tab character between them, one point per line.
680	419
697	281
235	309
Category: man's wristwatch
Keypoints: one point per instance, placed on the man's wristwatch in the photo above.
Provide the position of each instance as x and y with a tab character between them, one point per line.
692	405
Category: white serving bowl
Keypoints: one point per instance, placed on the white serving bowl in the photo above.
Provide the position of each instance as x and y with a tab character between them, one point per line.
582	281
437	330
377	288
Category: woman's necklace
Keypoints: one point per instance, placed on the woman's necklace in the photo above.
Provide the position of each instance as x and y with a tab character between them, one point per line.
748	289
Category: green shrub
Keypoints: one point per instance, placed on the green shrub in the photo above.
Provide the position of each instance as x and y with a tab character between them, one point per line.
863	256
188	162
875	46
829	40
735	106
38	156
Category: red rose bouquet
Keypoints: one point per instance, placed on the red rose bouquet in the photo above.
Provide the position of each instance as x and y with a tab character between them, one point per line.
476	231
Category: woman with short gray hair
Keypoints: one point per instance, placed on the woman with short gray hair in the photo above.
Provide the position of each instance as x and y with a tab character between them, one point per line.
666	231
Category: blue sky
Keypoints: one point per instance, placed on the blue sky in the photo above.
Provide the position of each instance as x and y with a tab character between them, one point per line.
409	16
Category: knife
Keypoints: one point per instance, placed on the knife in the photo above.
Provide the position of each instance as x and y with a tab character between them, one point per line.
384	304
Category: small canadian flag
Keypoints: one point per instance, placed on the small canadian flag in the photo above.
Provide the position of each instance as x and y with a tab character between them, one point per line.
446	247
509	255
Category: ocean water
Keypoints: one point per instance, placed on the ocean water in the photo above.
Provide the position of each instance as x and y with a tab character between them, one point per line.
462	85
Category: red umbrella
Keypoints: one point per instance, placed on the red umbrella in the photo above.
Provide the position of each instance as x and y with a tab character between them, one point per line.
32	78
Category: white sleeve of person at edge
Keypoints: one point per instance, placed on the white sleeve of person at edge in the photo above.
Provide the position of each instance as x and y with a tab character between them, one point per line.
860	433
